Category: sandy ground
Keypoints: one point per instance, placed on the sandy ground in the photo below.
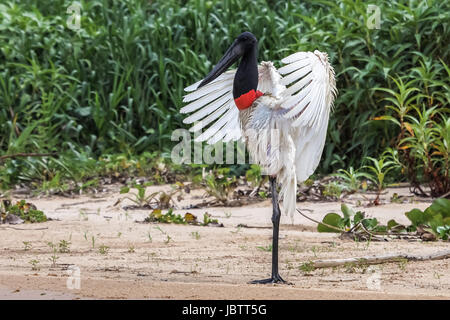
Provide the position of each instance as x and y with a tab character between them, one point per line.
112	256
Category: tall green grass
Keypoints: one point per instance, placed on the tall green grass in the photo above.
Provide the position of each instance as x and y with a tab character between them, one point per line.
116	85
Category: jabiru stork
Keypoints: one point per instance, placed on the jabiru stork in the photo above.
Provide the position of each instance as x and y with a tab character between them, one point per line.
254	103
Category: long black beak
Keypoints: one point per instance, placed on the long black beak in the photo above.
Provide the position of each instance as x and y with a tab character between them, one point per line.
234	52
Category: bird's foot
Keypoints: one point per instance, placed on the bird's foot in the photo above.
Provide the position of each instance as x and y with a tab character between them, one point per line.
274	279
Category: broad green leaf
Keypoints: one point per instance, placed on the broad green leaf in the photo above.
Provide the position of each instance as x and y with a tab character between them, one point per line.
416	216
348	213
394	224
370	223
333	219
124	190
358	216
436	222
441	206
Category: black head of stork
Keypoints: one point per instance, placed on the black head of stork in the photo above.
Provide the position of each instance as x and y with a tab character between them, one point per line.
246	79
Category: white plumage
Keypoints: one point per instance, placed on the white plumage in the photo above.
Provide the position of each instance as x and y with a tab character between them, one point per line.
285	129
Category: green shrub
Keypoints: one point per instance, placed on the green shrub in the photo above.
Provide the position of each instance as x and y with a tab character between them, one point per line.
116	85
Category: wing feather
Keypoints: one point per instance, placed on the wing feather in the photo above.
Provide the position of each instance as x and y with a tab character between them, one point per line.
295	57
228	127
218	124
298	85
212	117
208	109
212	109
204	100
308	98
297	65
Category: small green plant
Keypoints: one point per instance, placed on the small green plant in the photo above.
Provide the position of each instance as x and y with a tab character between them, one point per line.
377	173
437	275
207	219
402	263
195	235
307	267
158	199
395	198
350	222
53	258
267	248
26	211
103	249
351	178
83	215
168	238
256	179
353	267
289	265
64	246
350	267
188	218
34	264
220	185
332	190
140	198
169	217
263	194
443	232
27	245
314	251
434	219
368	241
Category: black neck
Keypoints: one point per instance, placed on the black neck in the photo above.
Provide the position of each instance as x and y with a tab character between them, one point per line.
246	78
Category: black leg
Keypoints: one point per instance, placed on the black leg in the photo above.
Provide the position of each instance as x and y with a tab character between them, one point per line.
276	278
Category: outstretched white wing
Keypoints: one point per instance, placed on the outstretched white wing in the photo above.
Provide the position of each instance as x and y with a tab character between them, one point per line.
213	108
308	100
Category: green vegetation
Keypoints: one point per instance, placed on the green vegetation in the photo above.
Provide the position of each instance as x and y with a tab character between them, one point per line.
64	246
103	249
100	98
159	199
34	264
169	217
24	210
307	267
188	218
27	245
378	170
350	221
350	179
434	220
266	248
195	235
219	184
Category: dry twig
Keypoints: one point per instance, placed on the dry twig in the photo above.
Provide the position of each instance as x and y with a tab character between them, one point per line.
380	259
